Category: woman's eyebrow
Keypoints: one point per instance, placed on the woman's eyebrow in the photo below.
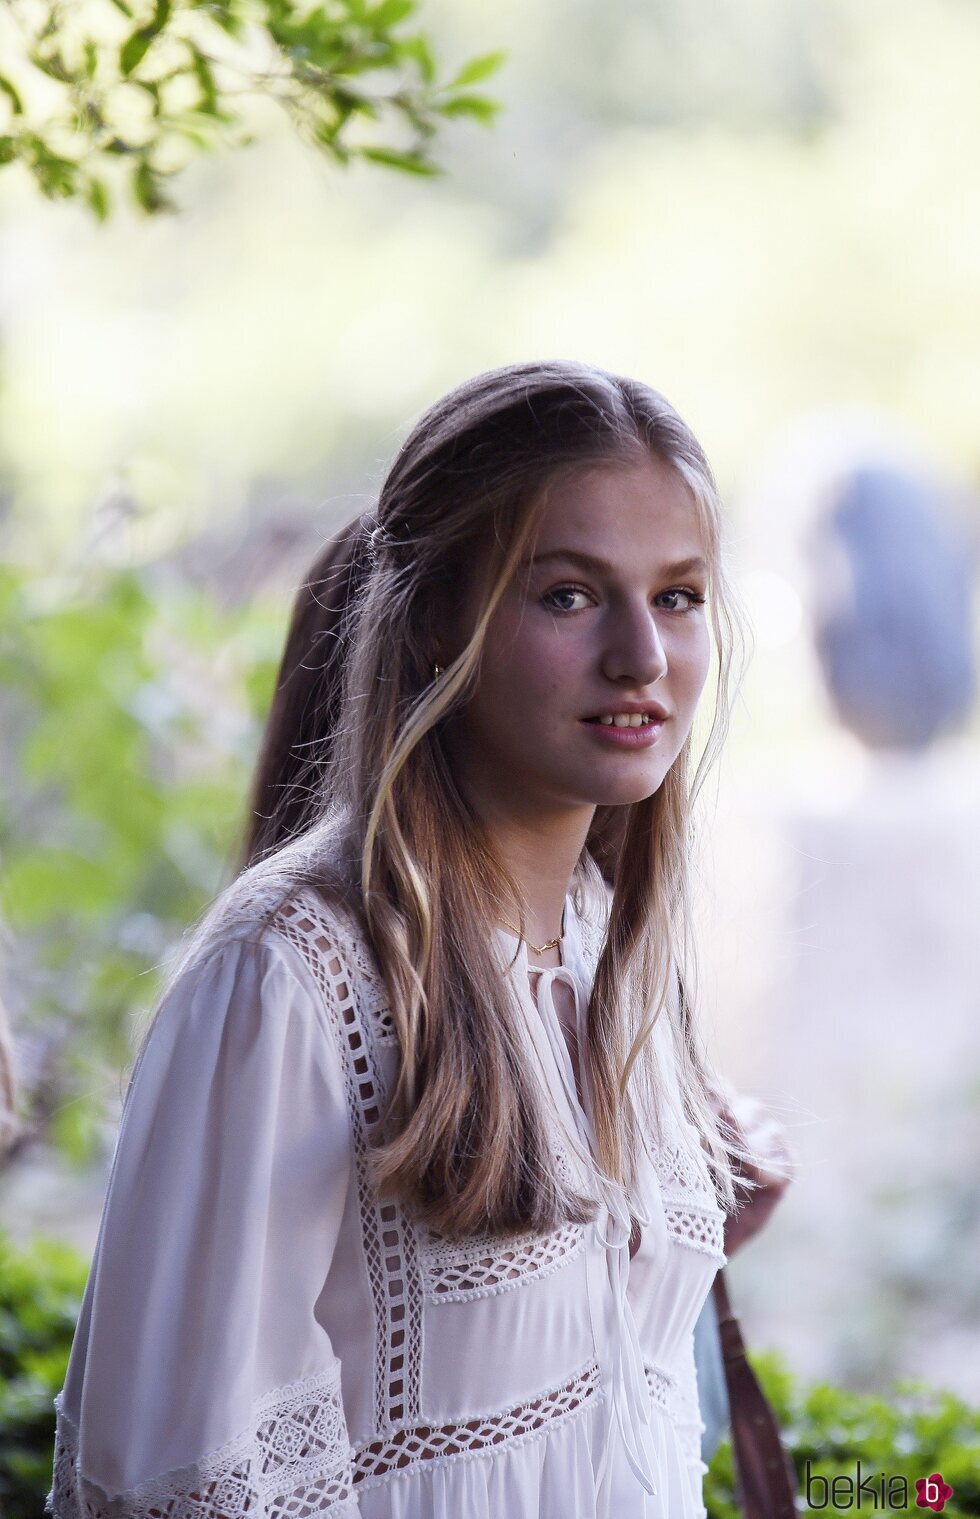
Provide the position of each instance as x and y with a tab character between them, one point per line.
692	566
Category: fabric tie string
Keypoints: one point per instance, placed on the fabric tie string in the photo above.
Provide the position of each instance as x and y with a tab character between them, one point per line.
629	1401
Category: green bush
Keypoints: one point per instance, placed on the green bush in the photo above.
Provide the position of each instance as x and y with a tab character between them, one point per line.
912	1433
40	1294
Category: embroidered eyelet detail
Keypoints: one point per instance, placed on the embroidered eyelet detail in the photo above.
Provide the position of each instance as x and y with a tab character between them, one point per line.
693	1216
661	1386
454	1271
702	1231
413	1446
352	992
682	1172
294	1463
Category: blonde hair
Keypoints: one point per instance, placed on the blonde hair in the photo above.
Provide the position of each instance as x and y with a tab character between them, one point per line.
464	1142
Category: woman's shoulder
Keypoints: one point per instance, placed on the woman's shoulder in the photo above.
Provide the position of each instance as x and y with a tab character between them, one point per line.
311	928
266	978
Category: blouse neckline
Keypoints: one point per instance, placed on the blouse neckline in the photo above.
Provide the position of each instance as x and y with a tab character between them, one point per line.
620	1356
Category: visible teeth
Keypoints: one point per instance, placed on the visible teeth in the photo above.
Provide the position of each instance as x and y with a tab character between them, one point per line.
626	720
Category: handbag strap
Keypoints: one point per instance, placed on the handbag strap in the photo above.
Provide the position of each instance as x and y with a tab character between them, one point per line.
766	1479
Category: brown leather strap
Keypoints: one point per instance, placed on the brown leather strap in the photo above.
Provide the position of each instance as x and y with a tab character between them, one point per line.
766	1480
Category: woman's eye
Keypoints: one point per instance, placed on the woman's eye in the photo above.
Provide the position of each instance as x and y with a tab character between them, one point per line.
563	599
574	598
689	600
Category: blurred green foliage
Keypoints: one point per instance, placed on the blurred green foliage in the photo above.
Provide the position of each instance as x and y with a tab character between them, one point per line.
132	705
140	86
40	1295
912	1433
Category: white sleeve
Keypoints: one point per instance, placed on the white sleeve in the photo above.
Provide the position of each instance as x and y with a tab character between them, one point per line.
201	1384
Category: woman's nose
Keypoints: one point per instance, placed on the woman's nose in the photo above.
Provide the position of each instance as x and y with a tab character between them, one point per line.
634	651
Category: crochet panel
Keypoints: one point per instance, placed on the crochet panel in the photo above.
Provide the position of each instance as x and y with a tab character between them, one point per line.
293	1463
693	1216
466	1438
353	995
661	1385
454	1271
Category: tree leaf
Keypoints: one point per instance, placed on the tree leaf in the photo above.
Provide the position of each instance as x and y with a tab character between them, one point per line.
53	65
135	48
478	68
17	105
389	13
410	163
148	189
206	82
57	177
480	107
97	198
418	49
8	149
226	17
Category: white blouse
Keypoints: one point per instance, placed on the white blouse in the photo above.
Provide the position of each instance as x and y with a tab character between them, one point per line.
262	1337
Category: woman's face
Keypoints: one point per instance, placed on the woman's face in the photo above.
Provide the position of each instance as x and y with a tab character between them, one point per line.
605	620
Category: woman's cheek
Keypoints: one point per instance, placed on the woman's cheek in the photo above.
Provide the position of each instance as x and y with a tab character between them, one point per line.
691	661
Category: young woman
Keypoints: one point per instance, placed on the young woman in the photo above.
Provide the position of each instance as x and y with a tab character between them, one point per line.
419	1189
286	796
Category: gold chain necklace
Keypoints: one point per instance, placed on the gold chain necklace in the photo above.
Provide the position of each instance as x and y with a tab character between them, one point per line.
535	948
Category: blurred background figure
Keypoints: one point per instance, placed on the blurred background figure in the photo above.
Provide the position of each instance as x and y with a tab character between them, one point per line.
892	583
867	1032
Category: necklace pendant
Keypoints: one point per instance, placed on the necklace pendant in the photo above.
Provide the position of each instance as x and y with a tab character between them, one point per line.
537	949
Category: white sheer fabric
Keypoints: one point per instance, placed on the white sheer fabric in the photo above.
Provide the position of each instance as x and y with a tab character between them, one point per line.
261	1336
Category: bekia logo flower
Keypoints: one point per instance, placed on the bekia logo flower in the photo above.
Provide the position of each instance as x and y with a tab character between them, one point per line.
932	1492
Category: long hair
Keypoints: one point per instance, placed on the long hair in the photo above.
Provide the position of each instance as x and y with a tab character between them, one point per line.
288	781
465	1141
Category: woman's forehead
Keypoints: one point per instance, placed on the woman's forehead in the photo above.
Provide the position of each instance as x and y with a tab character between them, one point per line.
616	512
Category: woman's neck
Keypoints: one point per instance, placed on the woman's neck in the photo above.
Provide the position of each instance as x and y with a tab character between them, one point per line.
540	854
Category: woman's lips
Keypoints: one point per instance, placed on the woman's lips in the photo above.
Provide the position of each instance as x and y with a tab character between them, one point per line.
626	738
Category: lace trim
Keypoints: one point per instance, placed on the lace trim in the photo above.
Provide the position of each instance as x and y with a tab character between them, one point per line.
682	1172
693	1216
409	1448
661	1385
294	1463
352	993
453	1271
701	1231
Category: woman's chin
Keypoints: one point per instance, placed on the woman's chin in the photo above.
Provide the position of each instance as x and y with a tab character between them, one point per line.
624	791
